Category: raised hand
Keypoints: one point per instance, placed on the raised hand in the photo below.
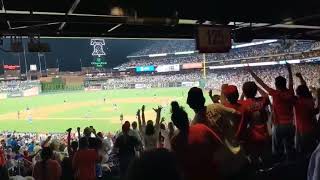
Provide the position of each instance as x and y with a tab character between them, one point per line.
143	108
94	131
158	110
288	66
69	130
210	92
138	112
78	129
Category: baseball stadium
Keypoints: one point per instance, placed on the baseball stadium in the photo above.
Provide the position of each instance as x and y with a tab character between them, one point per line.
159	90
51	100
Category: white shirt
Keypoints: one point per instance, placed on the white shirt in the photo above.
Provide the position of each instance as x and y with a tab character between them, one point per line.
214	113
150	141
167	143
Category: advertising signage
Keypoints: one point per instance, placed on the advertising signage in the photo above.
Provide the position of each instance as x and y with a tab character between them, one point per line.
145	69
11	67
99	62
168	68
192	66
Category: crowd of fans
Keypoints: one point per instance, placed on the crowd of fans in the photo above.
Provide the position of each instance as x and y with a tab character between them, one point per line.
148	61
166	46
279	48
214	77
17	86
229	138
239	75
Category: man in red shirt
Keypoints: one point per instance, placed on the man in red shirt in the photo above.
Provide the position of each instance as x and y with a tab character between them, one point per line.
47	168
305	118
229	98
257	138
283	99
195	147
84	161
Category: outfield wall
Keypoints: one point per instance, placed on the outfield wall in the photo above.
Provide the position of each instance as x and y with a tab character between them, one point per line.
118	85
62	83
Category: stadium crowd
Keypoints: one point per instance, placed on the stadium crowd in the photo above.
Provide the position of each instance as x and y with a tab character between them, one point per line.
166	46
229	138
214	77
17	86
273	50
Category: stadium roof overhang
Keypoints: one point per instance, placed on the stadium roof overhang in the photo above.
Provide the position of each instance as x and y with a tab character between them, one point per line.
157	19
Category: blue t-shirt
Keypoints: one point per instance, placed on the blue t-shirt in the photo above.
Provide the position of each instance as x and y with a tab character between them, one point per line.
31	148
14	143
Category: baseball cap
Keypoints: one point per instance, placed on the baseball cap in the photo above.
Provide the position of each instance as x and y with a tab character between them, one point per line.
229	90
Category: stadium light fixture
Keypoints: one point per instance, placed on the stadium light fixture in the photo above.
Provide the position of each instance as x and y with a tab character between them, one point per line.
263	64
227	66
290	62
184	52
254	43
157	55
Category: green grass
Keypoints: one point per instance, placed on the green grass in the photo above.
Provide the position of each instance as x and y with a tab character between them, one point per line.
89	109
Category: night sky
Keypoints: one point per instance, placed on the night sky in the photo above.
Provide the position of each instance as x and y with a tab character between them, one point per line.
69	52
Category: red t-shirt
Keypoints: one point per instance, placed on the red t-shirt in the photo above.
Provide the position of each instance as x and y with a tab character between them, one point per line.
84	164
282	106
257	117
27	158
304	113
52	170
2	158
195	155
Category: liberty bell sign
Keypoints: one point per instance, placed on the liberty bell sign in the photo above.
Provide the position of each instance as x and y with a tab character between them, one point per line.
97	47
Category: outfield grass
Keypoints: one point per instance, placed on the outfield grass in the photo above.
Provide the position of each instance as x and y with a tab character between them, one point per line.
59	111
